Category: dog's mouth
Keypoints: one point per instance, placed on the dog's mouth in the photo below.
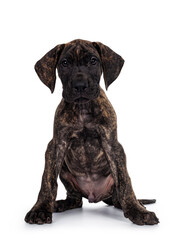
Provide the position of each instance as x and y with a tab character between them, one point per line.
81	100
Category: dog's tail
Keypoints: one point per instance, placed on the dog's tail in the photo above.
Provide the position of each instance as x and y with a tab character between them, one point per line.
141	201
147	201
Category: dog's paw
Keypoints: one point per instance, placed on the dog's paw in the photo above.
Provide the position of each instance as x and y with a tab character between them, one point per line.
67	204
141	217
38	217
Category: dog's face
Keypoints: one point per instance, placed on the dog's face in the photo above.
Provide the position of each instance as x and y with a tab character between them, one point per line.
80	65
79	68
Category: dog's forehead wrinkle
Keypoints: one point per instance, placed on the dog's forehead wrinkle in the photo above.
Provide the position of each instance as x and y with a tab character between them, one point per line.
68	50
79	49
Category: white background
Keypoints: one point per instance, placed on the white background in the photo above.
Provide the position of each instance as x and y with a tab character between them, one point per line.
146	97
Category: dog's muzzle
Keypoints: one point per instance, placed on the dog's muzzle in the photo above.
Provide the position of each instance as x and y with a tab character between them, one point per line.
81	92
80	85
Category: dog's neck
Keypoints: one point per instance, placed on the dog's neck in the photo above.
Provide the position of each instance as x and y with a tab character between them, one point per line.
84	111
99	108
84	108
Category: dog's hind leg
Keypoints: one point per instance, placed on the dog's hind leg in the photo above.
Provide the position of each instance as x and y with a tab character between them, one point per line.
116	204
108	201
113	201
74	196
67	204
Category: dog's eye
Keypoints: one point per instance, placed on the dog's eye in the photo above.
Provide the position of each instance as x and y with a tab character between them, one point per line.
64	63
93	60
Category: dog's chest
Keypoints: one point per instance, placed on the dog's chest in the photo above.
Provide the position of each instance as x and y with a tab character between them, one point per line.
88	166
85	161
85	116
85	153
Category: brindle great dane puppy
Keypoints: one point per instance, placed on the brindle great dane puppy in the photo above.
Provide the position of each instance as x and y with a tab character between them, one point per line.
85	151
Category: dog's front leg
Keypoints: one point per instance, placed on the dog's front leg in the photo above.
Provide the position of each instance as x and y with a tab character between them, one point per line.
116	157
42	210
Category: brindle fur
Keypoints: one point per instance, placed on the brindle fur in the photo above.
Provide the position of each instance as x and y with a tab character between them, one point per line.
84	151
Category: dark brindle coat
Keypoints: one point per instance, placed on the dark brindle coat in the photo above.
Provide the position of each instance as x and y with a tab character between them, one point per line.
84	151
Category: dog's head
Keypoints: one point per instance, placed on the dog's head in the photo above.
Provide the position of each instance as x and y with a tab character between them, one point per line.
80	65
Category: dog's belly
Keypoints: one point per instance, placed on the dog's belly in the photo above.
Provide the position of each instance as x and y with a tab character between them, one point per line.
87	167
95	187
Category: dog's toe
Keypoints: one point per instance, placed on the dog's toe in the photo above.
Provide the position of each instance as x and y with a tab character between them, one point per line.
141	216
38	217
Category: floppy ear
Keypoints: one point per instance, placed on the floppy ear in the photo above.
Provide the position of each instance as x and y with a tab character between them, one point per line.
46	67
112	63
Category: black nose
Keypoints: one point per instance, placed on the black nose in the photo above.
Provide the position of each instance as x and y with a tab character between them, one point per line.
80	85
